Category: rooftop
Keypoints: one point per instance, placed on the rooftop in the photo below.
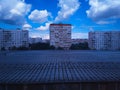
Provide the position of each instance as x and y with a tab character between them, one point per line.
60	24
59	66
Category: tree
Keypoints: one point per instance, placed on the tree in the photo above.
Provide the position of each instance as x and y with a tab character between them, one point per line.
60	48
22	48
3	49
80	46
41	46
52	48
13	48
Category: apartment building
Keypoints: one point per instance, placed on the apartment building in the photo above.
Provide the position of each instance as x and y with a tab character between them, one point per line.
104	40
60	35
10	38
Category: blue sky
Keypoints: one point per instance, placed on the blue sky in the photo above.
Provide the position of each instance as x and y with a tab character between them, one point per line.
84	15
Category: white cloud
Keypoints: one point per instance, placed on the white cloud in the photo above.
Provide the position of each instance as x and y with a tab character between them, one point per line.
13	11
73	27
80	35
36	34
105	22
27	26
46	27
46	36
91	29
68	8
23	0
39	16
103	10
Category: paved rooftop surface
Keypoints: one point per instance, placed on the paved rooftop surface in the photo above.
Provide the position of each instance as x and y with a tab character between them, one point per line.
59	66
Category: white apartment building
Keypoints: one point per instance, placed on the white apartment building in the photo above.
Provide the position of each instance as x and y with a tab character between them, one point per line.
60	35
104	40
10	38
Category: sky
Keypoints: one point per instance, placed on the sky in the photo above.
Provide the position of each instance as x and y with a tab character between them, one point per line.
37	15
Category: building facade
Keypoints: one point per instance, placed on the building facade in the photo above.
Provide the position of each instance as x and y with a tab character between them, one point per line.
106	40
11	38
60	35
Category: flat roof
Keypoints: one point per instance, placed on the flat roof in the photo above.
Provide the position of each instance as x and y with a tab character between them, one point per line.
60	24
37	67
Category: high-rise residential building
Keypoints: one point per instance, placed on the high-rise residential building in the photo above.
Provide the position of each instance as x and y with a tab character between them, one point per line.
60	35
11	38
104	40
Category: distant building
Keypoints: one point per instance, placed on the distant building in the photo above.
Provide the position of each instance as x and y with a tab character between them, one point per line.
104	40
45	41
77	41
60	35
35	40
10	38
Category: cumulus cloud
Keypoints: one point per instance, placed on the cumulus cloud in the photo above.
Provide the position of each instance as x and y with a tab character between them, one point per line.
106	22
67	8
13	11
27	26
79	35
101	10
38	34
46	27
91	29
39	16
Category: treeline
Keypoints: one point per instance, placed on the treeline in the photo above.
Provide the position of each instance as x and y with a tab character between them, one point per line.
35	46
15	48
46	46
80	46
41	46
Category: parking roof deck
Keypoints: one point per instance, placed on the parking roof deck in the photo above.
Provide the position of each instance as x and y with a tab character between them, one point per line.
59	66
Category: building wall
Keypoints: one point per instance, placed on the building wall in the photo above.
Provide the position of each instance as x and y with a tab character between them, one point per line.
107	40
10	38
1	37
60	35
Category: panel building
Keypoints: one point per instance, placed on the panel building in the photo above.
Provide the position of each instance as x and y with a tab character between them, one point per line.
60	35
11	38
104	40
